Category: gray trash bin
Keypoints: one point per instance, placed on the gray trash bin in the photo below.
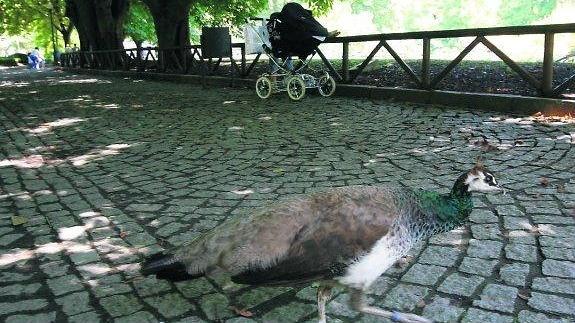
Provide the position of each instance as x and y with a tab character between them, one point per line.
216	42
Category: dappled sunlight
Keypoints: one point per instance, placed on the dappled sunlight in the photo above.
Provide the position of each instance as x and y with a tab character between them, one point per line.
45	127
37	161
80	98
14	84
108	106
14	256
83	81
97	154
33	161
25	196
243	192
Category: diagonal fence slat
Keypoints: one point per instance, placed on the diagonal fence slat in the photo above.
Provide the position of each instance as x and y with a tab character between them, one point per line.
559	89
364	64
514	66
191	60
401	63
454	63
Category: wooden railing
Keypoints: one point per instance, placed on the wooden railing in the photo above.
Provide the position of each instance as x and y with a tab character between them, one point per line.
189	60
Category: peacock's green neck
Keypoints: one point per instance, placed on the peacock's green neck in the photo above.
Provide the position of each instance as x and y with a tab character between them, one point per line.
452	208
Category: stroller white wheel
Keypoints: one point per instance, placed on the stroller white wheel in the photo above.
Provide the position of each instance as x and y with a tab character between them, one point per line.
295	88
326	85
264	87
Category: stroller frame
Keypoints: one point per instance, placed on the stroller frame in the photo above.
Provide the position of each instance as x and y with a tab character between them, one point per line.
291	79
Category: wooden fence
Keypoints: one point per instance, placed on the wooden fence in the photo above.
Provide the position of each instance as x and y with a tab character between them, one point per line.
189	60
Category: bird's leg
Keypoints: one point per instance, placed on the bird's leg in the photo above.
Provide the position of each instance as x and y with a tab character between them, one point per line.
357	302
323	295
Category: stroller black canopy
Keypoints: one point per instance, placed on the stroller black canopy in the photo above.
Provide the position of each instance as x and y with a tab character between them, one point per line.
292	31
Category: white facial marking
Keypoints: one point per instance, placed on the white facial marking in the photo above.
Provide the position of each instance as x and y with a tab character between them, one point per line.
482	182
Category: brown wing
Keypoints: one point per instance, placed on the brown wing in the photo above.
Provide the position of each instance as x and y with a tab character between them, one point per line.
345	225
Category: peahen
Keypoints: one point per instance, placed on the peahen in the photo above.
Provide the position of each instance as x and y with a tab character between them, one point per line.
346	236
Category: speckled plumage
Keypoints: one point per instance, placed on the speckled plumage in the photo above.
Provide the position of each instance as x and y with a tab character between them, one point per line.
318	236
347	235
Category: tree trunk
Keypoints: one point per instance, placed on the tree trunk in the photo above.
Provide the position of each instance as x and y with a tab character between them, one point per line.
99	22
171	20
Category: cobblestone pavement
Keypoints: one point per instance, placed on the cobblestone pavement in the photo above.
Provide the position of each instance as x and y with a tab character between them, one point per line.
106	171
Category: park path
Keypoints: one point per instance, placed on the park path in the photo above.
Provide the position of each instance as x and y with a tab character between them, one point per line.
104	171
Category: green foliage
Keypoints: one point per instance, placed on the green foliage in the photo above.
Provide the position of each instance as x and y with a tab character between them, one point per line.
382	12
139	23
224	12
521	12
33	17
10	61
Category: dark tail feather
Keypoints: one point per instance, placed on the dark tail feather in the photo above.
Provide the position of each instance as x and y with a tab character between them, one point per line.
166	267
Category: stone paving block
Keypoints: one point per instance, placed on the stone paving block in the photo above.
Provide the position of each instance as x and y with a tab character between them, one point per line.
458	284
515	274
8	239
451	238
340	306
521	237
559	253
64	284
215	306
195	288
497	297
23	305
32	318
138	317
521	252
84	257
55	268
150	286
483	216
488	249
478	266
405	297
552	303
441	310
259	295
120	305
516	223
423	274
109	285
94	270
509	210
291	312
559	268
488	231
381	286
475	315
171	305
437	255
554	285
75	303
14	277
20	289
90	317
558	242
532	317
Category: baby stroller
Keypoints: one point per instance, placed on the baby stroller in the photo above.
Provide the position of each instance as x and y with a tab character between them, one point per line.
291	32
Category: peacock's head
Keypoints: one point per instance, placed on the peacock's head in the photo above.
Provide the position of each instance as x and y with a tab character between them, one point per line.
480	179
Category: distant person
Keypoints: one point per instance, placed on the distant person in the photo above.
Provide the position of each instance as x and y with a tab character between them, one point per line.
39	58
32	61
36	59
67	49
75	48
